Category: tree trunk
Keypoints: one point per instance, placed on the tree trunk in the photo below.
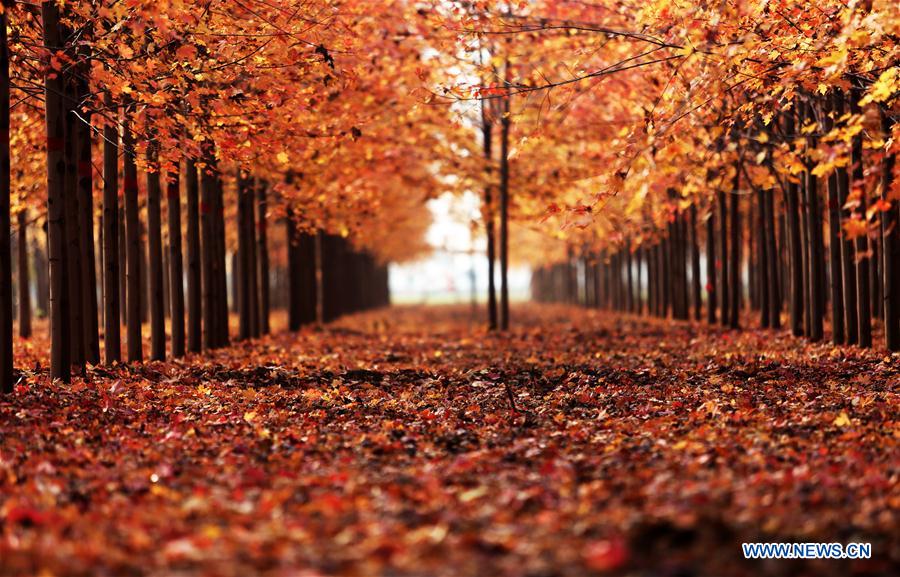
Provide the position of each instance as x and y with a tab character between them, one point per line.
24	284
176	263
763	260
890	245
711	293
734	269
242	276
263	257
207	184
133	247
862	242
6	299
85	187
774	261
154	233
795	242
724	277
75	269
490	231
504	214
123	266
696	290
194	282
112	337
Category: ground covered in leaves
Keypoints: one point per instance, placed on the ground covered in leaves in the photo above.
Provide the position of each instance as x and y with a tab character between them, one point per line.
409	442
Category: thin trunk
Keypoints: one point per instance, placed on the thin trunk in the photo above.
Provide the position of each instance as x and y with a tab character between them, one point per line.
194	282
123	268
724	292
490	231
242	274
112	337
56	214
75	257
774	261
504	214
155	265
711	293
795	242
176	263
22	242
890	245
734	268
763	260
263	257
6	298
208	192
85	187
696	290
133	247
862	241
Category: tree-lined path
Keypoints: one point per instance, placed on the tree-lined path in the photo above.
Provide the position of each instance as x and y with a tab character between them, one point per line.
205	206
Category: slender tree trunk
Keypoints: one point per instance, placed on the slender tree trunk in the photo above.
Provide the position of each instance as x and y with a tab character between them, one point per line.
263	257
133	247
154	233
56	214
490	231
112	337
176	263
890	245
711	293
696	289
242	275
763	260
123	258
75	269
795	242
6	298
774	261
734	268
724	277
206	225
24	284
862	242
194	282
252	265
85	187
222	329
504	215
42	279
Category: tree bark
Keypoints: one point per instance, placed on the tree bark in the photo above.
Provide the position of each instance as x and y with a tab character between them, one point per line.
862	242
112	337
696	290
774	261
133	247
6	298
890	245
176	263
84	150
24	284
724	277
504	214
154	240
763	260
490	231
263	257
76	264
711	293
194	280
734	268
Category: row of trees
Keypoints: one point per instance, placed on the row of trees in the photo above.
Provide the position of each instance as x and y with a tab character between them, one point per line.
158	138
790	249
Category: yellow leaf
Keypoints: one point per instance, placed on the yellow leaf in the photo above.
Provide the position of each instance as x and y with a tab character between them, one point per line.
841	420
249	416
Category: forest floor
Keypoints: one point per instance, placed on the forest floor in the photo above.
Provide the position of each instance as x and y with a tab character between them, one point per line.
410	442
